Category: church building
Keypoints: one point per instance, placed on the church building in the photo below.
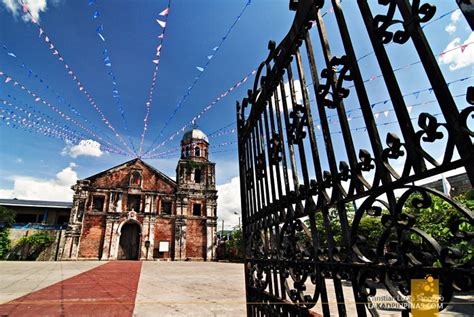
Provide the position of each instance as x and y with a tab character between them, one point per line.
135	212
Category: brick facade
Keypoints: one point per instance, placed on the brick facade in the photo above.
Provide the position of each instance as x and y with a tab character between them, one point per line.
133	211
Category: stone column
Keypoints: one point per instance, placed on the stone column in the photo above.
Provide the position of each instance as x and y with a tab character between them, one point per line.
111	225
211	225
180	239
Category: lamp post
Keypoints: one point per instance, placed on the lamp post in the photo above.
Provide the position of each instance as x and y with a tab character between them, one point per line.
236	213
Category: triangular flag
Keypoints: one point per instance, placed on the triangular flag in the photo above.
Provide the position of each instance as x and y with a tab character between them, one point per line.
101	37
200	68
463	47
386	113
416	94
210	56
156	61
96	15
11	54
377	115
161	36
409	108
165	12
215	48
7	80
161	23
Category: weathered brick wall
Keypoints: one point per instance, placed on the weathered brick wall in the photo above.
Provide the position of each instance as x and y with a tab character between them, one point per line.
195	238
120	178
92	236
164	231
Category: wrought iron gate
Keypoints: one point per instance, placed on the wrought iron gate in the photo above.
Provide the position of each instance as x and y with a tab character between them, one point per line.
332	212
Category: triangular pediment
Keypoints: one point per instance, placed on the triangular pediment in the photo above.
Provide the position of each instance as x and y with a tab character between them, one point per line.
120	177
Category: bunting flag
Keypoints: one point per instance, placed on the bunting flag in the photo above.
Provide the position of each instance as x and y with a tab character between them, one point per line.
156	61
73	76
40	100
110	72
198	115
201	70
59	99
165	12
161	23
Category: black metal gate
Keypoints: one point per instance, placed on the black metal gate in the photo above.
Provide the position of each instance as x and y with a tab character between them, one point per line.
334	218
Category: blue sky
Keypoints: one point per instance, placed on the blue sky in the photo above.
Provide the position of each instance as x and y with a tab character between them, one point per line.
29	162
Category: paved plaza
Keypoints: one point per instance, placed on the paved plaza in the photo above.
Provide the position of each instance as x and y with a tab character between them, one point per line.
133	288
121	288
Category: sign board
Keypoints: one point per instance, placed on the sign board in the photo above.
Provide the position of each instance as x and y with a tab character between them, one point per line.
164	246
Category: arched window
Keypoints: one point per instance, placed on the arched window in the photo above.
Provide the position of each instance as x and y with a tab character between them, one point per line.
197	151
197	175
136	179
187	151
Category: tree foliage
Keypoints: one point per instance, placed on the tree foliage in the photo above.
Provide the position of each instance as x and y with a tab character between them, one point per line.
7	218
30	247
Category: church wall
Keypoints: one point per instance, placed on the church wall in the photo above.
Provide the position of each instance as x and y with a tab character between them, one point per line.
195	238
92	236
164	231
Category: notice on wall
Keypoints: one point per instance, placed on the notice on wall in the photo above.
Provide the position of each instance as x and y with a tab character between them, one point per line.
164	246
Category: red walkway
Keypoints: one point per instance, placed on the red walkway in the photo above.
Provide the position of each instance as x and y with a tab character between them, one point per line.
108	290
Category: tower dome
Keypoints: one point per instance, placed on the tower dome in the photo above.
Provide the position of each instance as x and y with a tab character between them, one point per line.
194	135
194	145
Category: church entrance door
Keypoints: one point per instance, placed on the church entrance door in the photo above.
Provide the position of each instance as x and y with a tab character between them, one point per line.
129	242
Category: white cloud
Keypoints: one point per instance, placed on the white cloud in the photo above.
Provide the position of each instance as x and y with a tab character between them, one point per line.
85	148
228	202
35	7
57	189
460	57
451	27
19	160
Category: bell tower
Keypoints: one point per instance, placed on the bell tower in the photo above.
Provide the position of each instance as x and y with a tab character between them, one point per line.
196	198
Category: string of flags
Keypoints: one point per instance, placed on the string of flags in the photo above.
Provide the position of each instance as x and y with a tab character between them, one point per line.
59	98
423	26
55	52
8	79
385	112
16	121
43	124
170	153
219	132
198	115
110	72
460	47
202	69
163	15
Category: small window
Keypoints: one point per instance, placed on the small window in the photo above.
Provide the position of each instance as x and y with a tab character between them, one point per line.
98	203
62	220
187	151
26	218
166	207
197	175
133	202
196	209
197	151
136	179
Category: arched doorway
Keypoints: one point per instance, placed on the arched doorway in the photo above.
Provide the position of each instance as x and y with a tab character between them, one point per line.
129	245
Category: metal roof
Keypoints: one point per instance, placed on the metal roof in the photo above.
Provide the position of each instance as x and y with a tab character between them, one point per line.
35	203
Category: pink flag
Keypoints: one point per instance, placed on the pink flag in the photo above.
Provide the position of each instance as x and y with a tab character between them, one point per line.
463	47
161	23
69	72
61	59
165	12
7	80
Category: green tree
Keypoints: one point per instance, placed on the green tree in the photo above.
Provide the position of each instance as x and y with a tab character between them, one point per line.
7	218
235	246
30	247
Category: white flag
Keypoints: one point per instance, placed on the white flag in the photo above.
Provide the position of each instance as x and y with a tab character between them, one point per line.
161	23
